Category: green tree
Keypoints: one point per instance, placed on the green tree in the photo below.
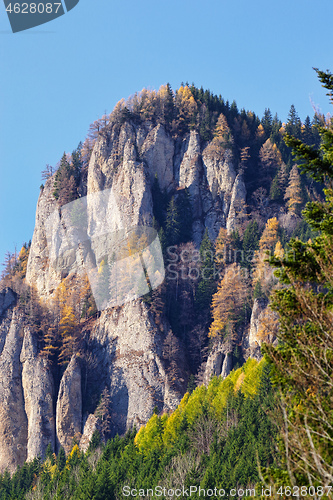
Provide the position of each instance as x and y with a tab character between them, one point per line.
307	135
206	285
266	122
65	187
303	362
61	459
158	202
173	223
250	243
184	208
294	125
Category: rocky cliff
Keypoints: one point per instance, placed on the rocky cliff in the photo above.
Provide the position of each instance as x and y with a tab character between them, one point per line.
123	346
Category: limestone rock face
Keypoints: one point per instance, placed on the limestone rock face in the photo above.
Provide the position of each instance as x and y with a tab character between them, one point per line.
40	271
157	152
125	340
219	362
7	298
13	419
38	390
27	423
92	424
126	162
258	307
238	198
260	316
69	406
128	346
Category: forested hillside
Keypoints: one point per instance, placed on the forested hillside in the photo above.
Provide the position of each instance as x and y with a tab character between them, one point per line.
242	206
214	439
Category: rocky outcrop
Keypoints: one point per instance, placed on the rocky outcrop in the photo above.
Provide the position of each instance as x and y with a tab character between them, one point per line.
128	348
41	271
263	328
92	424
27	422
124	340
7	299
237	203
219	362
69	406
157	153
38	391
13	419
125	162
259	307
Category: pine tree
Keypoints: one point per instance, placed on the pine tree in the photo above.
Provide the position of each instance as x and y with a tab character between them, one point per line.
61	459
266	122
51	343
294	125
269	236
65	187
173	223
103	412
167	105
303	362
250	243
307	135
206	285
159	202
270	161
185	209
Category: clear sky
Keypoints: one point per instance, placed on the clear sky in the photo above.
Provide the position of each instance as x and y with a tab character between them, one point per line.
58	78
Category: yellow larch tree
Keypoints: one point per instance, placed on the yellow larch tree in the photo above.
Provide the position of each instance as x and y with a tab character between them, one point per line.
229	303
187	107
293	194
147	101
67	331
268	244
260	133
269	236
222	133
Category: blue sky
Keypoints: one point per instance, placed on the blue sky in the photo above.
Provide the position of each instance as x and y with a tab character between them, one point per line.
57	78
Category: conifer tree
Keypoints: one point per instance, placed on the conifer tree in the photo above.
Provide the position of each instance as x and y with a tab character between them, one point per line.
173	223
159	203
185	210
294	125
65	188
250	243
307	135
270	161
206	285
266	122
303	362
167	105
